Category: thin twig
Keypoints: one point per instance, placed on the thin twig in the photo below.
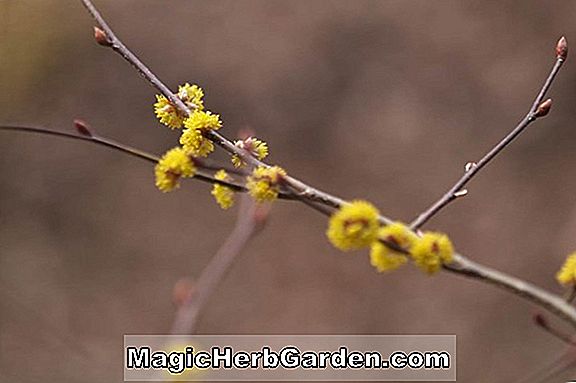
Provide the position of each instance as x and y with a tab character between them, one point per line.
539	109
249	221
542	322
98	140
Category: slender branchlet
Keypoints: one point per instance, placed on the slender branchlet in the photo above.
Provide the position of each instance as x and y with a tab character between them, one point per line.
539	109
251	218
87	135
541	321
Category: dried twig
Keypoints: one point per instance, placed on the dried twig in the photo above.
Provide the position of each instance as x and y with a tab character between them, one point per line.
539	108
250	219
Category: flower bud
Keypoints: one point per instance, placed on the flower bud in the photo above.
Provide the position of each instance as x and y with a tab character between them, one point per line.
101	37
543	109
562	48
82	128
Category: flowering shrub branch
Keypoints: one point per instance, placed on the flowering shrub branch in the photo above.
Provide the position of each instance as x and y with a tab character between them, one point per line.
459	264
539	108
354	225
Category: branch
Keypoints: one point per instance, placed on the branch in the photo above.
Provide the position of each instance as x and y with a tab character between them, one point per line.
98	140
106	37
462	265
541	321
539	108
251	218
548	301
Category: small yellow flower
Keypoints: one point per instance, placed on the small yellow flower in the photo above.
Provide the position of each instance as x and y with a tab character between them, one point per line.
167	113
354	226
223	194
431	251
386	258
254	146
173	165
264	183
195	144
567	274
192	96
203	120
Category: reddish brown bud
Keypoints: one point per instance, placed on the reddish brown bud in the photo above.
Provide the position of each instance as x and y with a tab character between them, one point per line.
544	108
183	291
101	38
82	128
562	48
540	320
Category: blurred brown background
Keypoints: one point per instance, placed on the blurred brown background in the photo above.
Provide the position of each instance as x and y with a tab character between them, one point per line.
383	100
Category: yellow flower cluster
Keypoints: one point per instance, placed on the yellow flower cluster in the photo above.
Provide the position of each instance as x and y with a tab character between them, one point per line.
264	183
223	194
192	96
356	225
567	274
203	120
178	162
388	252
169	115
431	251
173	165
195	143
193	139
254	146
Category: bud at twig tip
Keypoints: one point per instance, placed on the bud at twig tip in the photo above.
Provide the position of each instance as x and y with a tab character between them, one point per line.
543	108
82	128
101	37
562	48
